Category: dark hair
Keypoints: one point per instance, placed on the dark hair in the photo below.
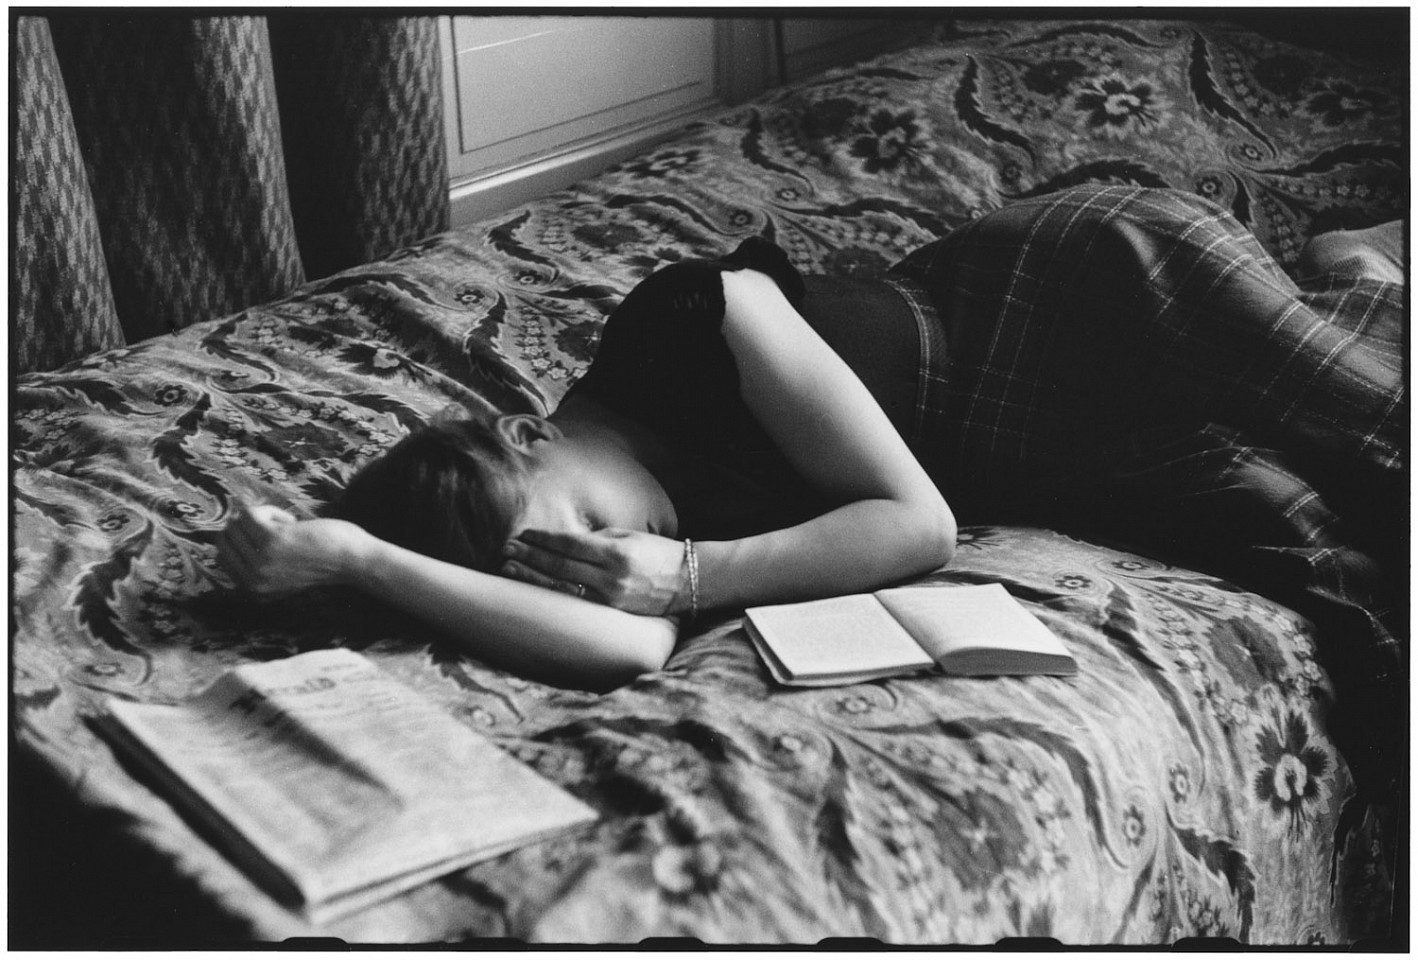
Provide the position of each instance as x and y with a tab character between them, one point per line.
449	490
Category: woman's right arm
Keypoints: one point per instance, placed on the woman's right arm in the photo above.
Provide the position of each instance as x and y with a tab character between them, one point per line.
532	631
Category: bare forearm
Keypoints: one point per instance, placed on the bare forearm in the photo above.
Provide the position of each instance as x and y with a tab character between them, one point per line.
857	547
529	630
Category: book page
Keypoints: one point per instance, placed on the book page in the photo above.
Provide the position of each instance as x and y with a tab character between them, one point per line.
264	762
836	636
981	620
341	777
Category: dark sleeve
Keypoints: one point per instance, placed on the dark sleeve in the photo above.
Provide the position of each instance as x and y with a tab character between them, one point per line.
662	359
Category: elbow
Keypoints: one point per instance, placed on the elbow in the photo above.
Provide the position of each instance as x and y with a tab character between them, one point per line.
654	652
939	533
647	649
660	636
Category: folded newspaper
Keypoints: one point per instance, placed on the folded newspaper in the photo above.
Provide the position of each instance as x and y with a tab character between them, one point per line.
334	785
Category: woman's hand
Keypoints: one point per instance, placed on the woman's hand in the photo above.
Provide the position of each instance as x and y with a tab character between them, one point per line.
269	553
631	571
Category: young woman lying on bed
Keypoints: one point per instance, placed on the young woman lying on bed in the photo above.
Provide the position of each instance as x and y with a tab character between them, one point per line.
748	435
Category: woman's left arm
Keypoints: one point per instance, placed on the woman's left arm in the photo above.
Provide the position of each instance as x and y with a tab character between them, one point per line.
892	522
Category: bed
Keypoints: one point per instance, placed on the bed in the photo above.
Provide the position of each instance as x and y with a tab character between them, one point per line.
1185	784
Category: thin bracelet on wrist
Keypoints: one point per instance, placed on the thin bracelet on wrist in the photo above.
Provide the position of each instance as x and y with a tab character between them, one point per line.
691	563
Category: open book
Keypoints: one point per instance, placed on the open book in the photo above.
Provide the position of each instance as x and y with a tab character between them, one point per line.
973	631
334	785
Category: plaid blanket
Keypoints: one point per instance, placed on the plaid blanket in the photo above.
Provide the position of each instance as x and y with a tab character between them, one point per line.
1133	360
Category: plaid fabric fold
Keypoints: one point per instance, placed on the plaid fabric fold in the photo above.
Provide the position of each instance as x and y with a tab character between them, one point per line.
1133	361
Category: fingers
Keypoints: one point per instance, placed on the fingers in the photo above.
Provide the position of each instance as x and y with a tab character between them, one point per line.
556	561
268	513
560	556
275	514
251	529
588	547
580	584
565	561
246	534
242	546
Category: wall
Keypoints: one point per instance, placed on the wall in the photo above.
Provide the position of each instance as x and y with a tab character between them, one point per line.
536	103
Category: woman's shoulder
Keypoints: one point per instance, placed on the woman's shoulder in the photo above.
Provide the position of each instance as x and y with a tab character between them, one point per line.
691	290
662	358
765	256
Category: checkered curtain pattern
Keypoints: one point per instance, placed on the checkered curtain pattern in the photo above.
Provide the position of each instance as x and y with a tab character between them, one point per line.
171	169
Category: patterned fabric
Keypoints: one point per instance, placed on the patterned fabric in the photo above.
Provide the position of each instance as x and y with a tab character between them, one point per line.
62	308
181	137
1185	783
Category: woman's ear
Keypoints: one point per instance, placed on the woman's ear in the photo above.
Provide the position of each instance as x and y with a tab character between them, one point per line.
523	430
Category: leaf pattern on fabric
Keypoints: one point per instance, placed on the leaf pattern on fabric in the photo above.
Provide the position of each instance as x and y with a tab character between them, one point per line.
1059	746
1088	30
1222	858
1129	914
364	280
217	343
1102	171
972	113
752	146
832	838
174	460
56	513
92	596
1210	96
1346	155
100	393
503	239
1123	628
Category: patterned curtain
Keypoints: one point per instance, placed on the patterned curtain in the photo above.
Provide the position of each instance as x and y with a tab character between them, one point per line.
170	169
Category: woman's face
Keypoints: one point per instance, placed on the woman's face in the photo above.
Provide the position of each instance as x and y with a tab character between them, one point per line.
579	488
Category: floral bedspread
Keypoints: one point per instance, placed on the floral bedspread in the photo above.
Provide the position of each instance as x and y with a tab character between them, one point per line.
1182	785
